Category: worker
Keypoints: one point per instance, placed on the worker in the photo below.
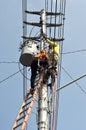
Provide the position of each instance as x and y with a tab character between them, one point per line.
53	57
53	53
40	60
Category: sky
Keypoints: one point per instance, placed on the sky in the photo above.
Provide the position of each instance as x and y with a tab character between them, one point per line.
72	100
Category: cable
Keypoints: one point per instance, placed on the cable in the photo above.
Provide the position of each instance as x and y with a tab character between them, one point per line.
74	51
60	34
54	108
9	77
8	62
71	82
11	62
31	30
75	82
22	72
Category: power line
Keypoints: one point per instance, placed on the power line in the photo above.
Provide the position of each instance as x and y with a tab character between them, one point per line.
74	51
22	72
9	62
16	62
71	82
75	82
60	34
9	77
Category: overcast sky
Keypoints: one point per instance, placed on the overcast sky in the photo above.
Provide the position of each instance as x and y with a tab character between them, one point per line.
72	100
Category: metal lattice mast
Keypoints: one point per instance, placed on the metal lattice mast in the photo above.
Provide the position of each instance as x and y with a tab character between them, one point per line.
46	112
43	94
24	18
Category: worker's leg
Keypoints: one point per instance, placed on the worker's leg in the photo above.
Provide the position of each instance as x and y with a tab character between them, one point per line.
34	67
55	66
46	76
53	76
33	76
48	73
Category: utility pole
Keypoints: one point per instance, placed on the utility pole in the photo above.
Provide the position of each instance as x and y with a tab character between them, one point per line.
43	94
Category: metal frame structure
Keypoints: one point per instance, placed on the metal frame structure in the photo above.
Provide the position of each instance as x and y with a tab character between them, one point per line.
46	92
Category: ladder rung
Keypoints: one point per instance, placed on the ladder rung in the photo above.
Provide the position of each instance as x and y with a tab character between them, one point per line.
58	39
26	104
48	13
36	81
35	38
23	110
33	12
31	23
20	118
17	126
30	38
27	98
52	13
25	117
53	24
39	24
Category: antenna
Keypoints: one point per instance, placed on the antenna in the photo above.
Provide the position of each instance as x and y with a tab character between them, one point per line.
43	94
51	24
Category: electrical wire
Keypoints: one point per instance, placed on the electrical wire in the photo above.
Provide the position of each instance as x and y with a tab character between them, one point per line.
31	30
75	82
5	79
71	82
22	72
8	62
57	100
54	107
57	96
74	51
60	34
53	121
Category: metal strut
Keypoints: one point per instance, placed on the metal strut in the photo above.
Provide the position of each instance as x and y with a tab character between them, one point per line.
26	107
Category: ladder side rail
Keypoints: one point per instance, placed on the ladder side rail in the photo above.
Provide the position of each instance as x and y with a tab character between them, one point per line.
21	109
32	102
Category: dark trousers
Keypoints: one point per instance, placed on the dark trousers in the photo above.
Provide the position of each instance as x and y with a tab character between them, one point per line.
34	67
33	76
48	73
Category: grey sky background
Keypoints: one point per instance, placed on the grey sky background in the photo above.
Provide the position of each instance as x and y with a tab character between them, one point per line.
72	100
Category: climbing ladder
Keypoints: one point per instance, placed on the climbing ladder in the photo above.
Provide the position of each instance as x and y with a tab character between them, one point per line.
26	107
